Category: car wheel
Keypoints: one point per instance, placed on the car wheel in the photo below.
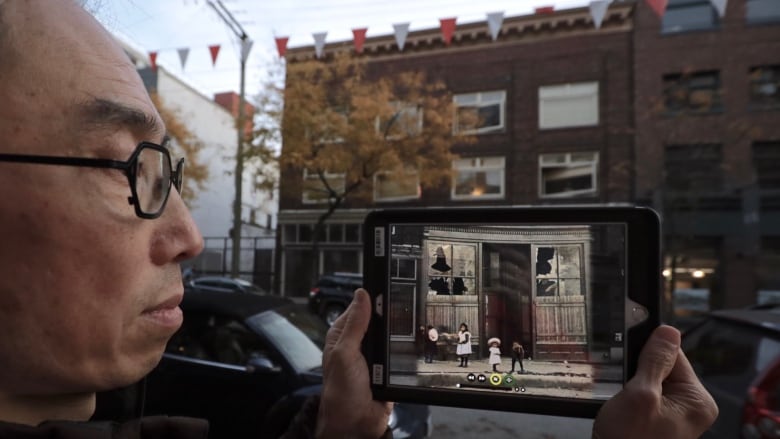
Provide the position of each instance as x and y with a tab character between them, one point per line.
332	312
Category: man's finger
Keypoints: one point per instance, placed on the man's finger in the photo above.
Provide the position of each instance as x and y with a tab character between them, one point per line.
658	357
356	322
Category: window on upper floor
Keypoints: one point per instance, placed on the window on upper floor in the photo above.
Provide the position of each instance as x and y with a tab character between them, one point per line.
766	156
478	178
479	112
395	186
316	191
569	105
689	15
762	11
765	86
406	121
568	174
693	168
697	92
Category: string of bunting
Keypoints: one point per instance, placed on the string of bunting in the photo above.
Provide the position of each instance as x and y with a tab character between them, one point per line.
184	53
598	10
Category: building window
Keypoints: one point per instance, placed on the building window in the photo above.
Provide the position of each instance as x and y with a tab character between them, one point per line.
558	271
406	121
697	92
479	112
568	174
762	11
766	156
316	191
689	15
403	289
452	269
569	105
693	168
396	186
478	178
765	86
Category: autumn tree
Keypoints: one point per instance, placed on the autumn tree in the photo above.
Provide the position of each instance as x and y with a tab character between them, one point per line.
185	144
343	126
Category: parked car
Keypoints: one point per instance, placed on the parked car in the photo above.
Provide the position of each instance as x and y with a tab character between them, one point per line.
332	294
246	363
222	284
736	354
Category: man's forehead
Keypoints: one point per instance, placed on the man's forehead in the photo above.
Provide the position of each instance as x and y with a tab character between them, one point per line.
107	114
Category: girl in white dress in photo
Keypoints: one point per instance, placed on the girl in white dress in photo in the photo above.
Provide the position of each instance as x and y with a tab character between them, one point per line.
495	353
464	345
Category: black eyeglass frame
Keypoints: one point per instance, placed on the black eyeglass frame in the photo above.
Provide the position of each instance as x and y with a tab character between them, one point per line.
128	167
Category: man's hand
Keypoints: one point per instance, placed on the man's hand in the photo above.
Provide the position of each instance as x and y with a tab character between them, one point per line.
347	409
663	400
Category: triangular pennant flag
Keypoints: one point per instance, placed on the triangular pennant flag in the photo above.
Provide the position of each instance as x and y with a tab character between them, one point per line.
214	52
184	52
447	29
319	43
153	60
658	6
495	19
359	36
246	47
598	9
720	5
281	45
401	31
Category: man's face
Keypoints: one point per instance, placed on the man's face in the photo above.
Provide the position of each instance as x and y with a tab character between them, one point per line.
88	291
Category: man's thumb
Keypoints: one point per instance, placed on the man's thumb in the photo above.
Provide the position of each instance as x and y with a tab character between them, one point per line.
658	356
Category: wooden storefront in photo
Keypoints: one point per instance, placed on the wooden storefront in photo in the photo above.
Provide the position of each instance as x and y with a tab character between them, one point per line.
514	283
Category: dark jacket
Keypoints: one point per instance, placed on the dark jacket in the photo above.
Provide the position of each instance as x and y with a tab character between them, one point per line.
153	427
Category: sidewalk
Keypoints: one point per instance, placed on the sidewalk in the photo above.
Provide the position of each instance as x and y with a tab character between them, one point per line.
541	374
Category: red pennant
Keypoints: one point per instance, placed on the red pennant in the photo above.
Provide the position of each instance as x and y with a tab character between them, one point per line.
359	36
153	60
545	10
447	29
658	6
281	45
214	52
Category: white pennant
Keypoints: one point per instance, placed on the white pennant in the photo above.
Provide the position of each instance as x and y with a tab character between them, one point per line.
246	46
598	9
720	5
184	52
401	31
495	19
319	42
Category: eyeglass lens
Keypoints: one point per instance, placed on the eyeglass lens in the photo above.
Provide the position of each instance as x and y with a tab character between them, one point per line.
153	179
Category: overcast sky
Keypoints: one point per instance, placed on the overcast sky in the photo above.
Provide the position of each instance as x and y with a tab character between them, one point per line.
167	25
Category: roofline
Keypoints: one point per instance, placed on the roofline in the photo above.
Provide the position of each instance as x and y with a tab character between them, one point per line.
514	30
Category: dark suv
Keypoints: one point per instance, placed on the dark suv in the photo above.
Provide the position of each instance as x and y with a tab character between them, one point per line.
736	354
332	294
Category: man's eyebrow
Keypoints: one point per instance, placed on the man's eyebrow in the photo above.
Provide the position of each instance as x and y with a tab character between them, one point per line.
107	113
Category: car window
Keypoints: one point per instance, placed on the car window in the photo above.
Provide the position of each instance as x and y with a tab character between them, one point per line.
727	355
213	338
299	344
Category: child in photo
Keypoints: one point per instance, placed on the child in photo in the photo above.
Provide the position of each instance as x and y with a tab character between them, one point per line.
464	345
517	356
495	353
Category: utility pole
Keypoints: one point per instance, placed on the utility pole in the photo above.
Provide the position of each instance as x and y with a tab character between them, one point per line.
246	45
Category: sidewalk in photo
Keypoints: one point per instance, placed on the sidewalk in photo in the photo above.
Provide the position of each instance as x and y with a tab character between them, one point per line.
535	373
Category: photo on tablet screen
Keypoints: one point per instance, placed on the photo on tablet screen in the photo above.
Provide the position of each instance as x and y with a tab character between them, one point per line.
535	310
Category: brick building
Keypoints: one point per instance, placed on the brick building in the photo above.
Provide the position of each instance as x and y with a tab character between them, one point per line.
707	107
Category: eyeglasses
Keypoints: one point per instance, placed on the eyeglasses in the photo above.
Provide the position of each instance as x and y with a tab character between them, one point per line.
148	171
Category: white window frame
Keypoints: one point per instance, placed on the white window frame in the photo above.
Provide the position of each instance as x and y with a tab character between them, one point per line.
408	174
480	99
314	177
463	165
408	112
553	100
592	164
